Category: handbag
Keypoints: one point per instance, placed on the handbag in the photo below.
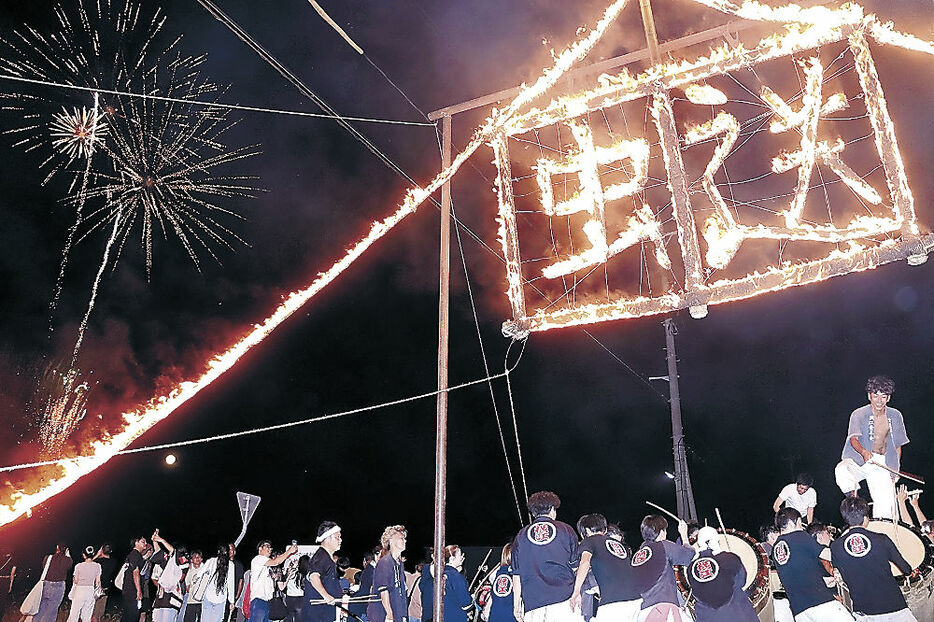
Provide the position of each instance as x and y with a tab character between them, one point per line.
118	580
201	586
277	608
30	606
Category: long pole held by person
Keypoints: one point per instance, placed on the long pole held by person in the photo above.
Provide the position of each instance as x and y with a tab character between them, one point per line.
683	489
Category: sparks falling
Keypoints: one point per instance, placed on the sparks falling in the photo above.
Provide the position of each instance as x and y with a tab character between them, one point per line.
138	421
61	402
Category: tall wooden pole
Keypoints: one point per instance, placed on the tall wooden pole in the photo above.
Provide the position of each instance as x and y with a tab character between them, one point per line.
441	432
683	489
648	23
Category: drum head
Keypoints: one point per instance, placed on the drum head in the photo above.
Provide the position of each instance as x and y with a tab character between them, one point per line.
747	553
909	544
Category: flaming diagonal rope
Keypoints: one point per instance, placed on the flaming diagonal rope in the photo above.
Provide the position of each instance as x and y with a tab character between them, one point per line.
138	421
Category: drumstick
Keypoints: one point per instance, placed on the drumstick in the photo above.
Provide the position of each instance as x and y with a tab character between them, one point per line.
723	527
661	509
915	478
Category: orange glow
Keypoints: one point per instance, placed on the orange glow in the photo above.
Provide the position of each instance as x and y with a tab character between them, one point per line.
803	29
139	420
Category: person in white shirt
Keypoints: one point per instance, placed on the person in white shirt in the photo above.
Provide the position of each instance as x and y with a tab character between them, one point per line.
800	495
218	586
192	588
262	586
86	581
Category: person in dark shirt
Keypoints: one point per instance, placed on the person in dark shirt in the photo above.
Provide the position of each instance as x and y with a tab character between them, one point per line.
389	579
366	584
108	570
426	588
132	587
500	604
798	561
323	576
768	534
608	559
541	564
458	603
53	588
653	572
717	578
863	559
238	571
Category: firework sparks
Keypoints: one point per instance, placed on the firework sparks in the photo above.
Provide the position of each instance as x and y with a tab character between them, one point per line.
112	46
140	420
78	133
167	161
155	162
62	404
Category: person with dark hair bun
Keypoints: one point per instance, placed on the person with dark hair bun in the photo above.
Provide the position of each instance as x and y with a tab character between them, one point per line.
873	449
86	581
543	579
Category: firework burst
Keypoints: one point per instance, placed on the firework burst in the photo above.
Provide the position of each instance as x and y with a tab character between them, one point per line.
162	163
166	169
78	133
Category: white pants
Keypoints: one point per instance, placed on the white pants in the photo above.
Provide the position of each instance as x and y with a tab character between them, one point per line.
880	483
783	610
831	611
82	603
623	611
558	612
903	615
663	612
164	614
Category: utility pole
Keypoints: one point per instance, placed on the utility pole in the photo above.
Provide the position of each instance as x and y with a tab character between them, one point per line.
683	490
441	431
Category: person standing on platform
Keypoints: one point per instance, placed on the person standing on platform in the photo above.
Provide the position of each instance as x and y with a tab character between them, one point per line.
863	558
542	578
873	448
798	561
717	578
800	495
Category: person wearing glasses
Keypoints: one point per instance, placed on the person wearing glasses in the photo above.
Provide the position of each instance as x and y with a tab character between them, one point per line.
262	586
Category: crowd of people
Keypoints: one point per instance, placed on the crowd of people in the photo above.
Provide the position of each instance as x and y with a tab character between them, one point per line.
549	572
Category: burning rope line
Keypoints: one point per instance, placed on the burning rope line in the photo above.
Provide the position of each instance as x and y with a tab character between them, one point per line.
140	420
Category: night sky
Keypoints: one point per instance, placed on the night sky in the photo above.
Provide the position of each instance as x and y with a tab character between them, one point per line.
767	384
